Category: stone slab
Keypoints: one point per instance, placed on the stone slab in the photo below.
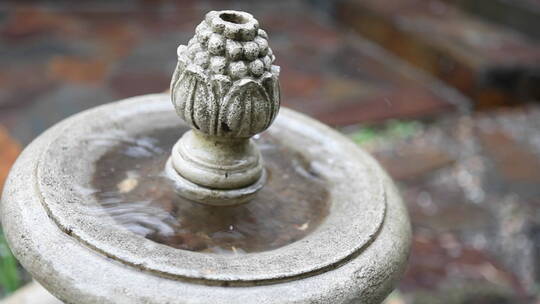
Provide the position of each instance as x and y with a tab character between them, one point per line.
491	64
521	15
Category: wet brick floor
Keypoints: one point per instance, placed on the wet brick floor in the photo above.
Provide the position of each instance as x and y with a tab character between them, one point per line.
471	184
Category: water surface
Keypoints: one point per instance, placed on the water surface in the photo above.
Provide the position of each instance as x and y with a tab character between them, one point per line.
130	184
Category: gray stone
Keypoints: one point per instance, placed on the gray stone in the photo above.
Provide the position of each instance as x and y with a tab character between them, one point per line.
355	256
222	89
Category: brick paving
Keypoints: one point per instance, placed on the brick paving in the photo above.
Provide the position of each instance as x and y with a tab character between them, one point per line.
59	59
471	185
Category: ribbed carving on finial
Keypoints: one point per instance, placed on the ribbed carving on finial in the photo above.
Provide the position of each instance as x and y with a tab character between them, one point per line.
225	83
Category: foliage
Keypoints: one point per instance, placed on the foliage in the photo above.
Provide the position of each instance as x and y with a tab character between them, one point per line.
393	129
10	279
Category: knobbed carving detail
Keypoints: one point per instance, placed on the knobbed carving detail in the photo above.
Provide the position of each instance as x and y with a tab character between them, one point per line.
225	83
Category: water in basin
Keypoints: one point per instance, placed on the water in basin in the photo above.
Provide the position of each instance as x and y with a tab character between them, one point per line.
130	184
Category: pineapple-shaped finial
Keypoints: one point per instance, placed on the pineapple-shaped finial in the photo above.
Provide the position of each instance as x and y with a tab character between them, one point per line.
226	88
225	83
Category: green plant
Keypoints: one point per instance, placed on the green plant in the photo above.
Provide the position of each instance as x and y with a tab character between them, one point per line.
393	129
10	279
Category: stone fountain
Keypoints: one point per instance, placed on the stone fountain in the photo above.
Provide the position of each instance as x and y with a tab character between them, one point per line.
108	206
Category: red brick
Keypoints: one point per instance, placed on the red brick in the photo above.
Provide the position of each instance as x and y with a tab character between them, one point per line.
9	150
77	69
514	161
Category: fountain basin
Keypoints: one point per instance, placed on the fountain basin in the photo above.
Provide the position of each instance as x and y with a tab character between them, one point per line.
355	254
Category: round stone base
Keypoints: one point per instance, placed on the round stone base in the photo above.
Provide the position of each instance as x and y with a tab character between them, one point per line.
356	255
209	196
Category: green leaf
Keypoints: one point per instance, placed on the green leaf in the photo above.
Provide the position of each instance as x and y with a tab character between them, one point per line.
10	279
391	130
364	135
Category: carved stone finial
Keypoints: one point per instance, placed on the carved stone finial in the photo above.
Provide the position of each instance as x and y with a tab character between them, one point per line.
226	88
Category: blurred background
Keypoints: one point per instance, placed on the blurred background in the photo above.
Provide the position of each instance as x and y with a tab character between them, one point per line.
443	92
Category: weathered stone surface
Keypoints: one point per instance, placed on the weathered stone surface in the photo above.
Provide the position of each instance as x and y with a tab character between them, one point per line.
68	253
226	88
492	64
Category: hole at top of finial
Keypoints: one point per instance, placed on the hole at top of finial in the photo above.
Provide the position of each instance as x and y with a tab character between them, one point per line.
233	18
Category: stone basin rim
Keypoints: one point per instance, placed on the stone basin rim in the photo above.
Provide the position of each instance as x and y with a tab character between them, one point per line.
286	263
